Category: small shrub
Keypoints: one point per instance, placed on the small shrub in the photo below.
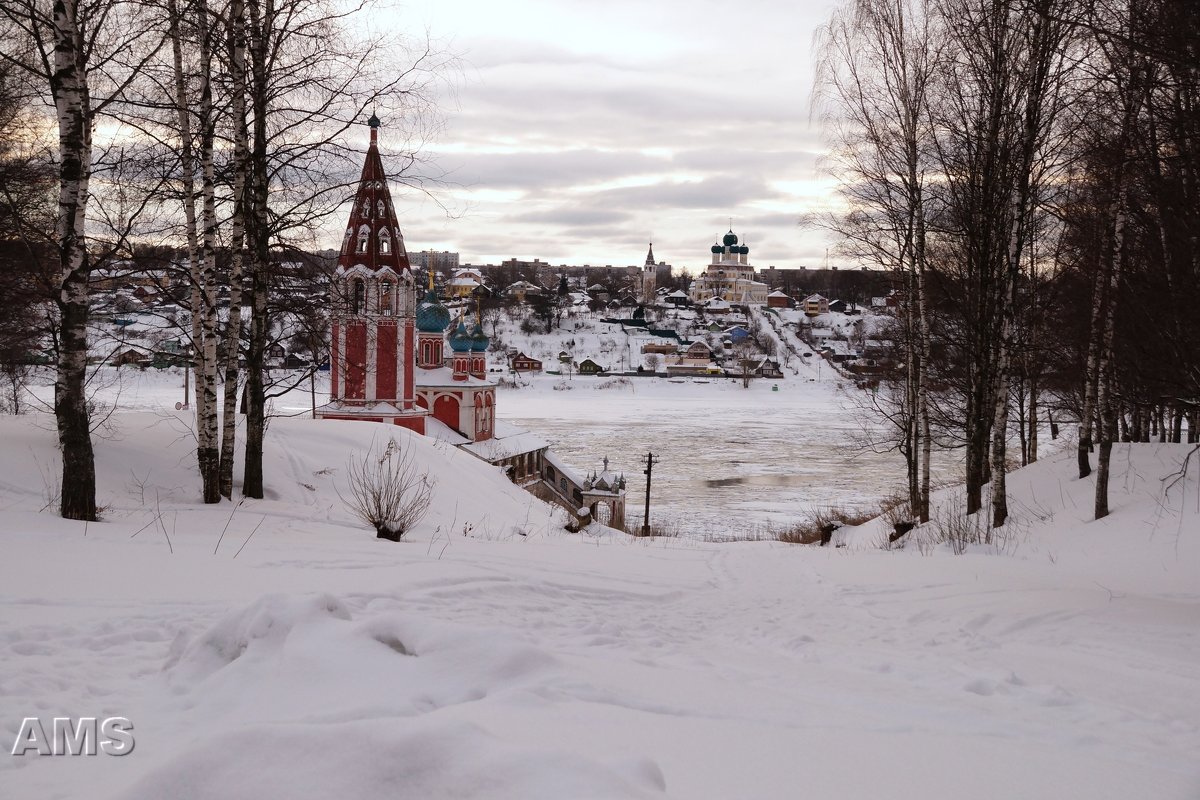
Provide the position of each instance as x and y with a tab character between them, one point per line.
663	530
388	491
948	524
820	529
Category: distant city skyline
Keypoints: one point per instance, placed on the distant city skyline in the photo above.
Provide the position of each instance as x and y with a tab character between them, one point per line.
579	133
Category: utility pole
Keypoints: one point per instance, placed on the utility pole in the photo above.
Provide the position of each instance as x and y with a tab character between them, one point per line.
649	469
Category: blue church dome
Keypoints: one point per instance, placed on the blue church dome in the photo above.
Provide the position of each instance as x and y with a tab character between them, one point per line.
730	239
460	340
479	339
432	316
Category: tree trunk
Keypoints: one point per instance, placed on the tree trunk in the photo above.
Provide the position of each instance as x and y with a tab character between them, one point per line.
259	233
206	393
241	167
923	381
1033	421
73	107
200	270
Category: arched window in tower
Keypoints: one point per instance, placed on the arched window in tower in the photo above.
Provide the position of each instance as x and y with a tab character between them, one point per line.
379	207
359	296
385	298
346	239
366	208
364	236
385	241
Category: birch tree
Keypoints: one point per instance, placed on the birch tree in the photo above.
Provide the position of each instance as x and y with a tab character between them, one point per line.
877	66
86	54
200	236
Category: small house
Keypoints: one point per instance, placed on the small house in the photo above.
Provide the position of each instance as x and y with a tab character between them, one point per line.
816	304
677	298
778	299
768	368
522	289
523	363
736	334
130	356
590	367
464	283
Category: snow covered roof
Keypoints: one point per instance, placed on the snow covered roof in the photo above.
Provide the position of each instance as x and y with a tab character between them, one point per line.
513	443
444	377
553	460
678	293
777	293
437	429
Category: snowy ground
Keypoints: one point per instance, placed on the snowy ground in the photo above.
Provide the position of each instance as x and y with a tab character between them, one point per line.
493	656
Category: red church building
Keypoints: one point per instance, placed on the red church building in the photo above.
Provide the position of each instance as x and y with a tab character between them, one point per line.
387	357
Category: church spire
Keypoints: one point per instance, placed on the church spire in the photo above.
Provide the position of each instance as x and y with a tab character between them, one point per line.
650	262
373	238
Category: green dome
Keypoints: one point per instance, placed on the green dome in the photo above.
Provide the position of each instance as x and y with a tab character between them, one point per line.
479	340
730	239
432	316
716	248
744	250
460	340
373	121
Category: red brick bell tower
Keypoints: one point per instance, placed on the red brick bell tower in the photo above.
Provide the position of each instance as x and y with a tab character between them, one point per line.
373	315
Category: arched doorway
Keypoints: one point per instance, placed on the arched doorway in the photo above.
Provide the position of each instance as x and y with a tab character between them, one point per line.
445	409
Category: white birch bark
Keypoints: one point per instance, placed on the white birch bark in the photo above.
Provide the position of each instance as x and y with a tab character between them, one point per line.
72	103
241	166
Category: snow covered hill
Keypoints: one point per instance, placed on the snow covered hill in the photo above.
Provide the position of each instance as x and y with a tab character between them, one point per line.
492	655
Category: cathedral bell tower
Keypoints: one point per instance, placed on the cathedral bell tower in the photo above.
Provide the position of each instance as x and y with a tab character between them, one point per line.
374	311
649	279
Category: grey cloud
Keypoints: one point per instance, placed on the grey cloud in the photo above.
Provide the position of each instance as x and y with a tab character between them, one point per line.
583	218
719	192
533	170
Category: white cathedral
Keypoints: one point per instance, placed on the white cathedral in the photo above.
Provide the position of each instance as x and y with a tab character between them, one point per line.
729	276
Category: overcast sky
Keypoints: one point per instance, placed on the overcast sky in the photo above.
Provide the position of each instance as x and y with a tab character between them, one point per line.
581	130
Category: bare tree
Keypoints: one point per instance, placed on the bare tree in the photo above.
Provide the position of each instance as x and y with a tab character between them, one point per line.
310	77
201	254
879	61
86	56
388	490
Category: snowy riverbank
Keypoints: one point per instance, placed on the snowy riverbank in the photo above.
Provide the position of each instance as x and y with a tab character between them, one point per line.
518	661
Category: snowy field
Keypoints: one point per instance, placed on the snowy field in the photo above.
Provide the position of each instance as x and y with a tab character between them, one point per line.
283	652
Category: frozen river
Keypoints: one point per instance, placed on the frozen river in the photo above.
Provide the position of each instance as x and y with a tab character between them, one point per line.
728	459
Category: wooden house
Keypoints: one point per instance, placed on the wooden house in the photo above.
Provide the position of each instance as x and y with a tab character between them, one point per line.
523	363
